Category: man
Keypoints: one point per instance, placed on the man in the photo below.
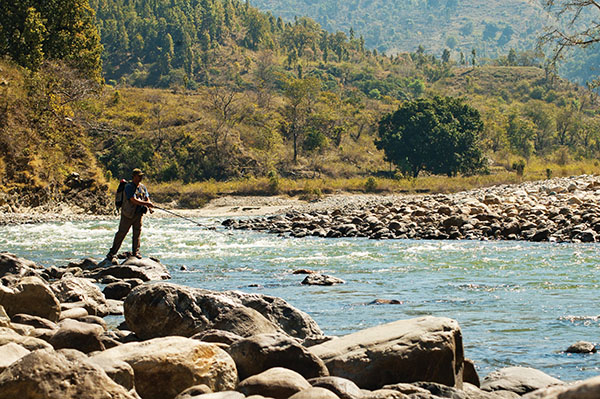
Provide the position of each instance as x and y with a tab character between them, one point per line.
135	204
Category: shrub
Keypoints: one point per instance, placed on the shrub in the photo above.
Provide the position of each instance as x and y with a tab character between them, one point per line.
371	185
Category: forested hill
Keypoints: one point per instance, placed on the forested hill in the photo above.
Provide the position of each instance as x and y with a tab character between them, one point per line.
164	42
491	27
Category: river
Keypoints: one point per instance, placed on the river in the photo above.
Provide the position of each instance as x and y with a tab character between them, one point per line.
518	303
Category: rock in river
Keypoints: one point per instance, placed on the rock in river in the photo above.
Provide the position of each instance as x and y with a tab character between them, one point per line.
422	349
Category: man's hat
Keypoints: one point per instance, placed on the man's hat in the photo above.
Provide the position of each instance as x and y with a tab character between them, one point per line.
137	172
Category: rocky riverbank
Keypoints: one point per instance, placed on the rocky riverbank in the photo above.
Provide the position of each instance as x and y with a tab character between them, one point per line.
178	342
557	210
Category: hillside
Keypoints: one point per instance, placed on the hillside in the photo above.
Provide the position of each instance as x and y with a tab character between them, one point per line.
213	90
491	27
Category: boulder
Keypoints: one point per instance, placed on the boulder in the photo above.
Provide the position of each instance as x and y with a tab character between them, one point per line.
217	336
470	373
10	353
73	313
74	334
321	279
117	290
407	389
582	347
314	393
520	380
84	264
75	289
57	375
165	309
342	387
292	321
392	394
163	367
32	296
118	370
587	389
11	264
212	395
34	321
145	269
421	349
195	391
244	321
474	392
277	383
30	343
261	352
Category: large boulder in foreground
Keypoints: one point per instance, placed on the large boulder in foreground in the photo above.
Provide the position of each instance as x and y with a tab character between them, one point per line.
258	353
164	367
421	349
519	380
58	375
164	309
587	389
31	296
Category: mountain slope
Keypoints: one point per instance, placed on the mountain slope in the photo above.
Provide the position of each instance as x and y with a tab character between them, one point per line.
491	27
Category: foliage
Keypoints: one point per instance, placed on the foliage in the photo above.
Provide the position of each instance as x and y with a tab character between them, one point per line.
419	132
31	31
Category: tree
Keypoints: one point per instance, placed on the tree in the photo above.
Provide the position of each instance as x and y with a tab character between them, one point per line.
301	95
578	25
66	30
439	135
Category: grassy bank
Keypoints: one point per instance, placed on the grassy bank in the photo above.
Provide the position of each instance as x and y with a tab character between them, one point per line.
198	194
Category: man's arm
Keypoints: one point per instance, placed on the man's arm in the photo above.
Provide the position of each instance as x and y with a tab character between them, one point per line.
136	201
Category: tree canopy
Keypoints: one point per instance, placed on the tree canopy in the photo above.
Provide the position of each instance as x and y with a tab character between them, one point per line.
32	31
438	135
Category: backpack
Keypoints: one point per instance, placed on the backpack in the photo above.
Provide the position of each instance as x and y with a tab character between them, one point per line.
120	194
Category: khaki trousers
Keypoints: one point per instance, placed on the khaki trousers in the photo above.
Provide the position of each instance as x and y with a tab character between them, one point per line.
124	225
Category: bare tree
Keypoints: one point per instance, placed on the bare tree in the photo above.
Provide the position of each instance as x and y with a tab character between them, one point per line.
577	24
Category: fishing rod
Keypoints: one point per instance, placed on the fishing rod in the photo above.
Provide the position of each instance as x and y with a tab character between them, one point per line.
185	218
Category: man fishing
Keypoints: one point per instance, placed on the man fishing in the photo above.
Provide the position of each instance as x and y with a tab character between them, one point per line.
136	203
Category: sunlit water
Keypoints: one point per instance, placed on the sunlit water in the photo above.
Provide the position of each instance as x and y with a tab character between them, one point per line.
518	303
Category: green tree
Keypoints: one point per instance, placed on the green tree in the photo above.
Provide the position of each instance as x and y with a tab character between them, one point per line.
66	30
300	95
438	135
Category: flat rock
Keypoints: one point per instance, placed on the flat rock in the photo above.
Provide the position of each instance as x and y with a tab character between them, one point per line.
10	353
277	383
164	367
34	321
520	380
261	352
421	349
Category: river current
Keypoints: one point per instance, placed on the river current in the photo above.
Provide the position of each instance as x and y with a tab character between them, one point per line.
518	303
